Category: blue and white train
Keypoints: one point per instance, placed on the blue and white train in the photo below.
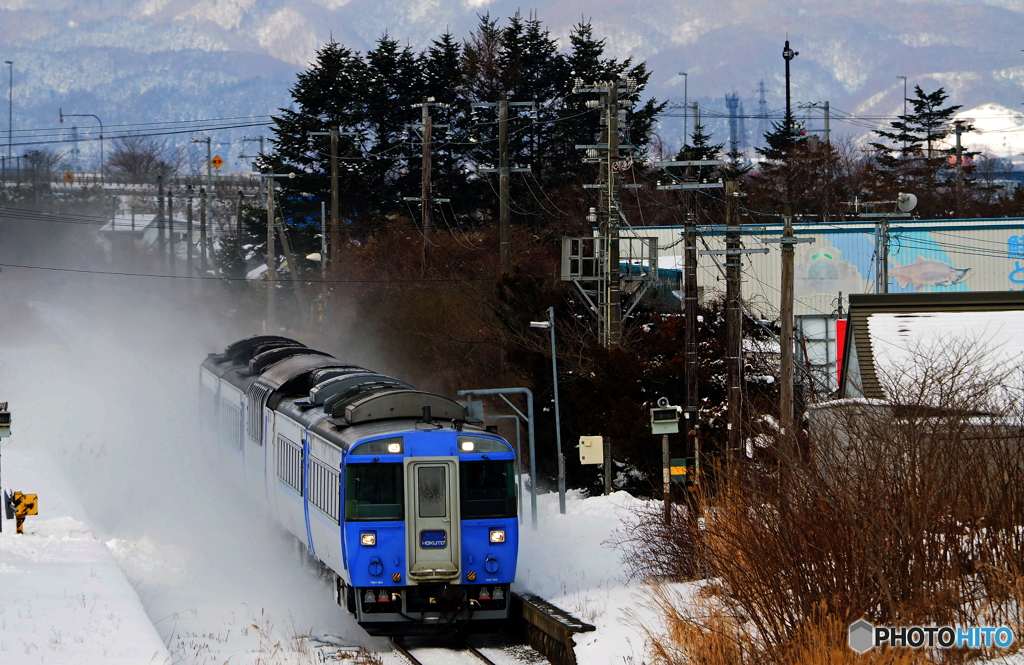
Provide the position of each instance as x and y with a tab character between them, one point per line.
408	503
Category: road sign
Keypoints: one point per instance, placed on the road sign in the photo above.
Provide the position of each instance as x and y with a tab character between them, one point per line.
69	177
217	161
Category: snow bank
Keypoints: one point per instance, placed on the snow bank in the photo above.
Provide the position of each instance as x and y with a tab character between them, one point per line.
571	562
63	598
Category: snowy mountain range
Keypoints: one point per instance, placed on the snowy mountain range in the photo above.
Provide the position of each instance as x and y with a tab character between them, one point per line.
131	61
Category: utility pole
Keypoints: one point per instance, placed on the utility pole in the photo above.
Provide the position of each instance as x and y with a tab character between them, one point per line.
689	188
202	230
209	161
425	193
161	239
826	133
904	152
188	236
882	255
733	318
505	230
606	154
690	304
505	223
786	314
271	253
335	230
238	223
426	128
271	262
609	205
959	170
335	225
170	229
323	242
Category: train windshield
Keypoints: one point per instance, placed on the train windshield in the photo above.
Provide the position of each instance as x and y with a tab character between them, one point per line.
374	492
488	489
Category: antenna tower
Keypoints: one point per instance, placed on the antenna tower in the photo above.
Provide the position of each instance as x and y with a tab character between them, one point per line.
762	112
732	102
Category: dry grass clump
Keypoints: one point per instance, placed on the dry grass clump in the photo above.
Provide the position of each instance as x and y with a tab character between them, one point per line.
905	513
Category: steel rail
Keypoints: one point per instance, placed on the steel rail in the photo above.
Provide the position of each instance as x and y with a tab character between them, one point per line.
395	646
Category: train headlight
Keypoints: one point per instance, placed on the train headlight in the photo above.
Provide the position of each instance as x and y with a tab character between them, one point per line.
368	539
497	536
467	446
394	447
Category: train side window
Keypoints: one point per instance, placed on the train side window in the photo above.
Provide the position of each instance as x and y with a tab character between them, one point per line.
374	492
488	489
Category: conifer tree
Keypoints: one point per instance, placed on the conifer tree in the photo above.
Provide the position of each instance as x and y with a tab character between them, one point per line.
699	149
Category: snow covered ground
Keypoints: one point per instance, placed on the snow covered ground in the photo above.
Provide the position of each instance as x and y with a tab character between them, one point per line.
63	598
571	562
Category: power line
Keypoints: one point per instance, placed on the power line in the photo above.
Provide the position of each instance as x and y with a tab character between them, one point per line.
445	280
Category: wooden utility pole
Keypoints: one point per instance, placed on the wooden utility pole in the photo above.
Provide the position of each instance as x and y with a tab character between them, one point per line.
238	224
505	228
188	235
959	171
202	231
271	261
690	304
335	222
786	314
733	319
425	194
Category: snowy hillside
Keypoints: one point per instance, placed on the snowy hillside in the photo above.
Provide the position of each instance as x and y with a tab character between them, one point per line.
132	60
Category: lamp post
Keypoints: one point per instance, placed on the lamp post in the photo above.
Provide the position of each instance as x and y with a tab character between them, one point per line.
787	55
10	108
550	325
686	105
88	115
904	104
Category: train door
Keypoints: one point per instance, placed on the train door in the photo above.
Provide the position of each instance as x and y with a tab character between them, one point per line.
433	519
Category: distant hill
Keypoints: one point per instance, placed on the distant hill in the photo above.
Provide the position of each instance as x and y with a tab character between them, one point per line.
162	60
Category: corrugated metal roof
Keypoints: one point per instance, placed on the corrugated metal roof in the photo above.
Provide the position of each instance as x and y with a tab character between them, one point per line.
887	328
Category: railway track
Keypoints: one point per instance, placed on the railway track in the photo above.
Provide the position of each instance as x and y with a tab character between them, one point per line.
467	654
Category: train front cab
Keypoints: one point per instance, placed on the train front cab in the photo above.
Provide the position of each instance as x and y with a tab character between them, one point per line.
431	538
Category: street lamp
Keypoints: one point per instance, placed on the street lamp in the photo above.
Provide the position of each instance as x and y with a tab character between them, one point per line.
88	115
10	108
550	325
685	104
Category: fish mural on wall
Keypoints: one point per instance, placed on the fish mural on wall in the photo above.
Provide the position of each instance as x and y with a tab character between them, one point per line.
927	272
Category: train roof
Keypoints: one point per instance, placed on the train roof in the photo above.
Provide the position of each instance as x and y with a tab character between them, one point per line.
316	389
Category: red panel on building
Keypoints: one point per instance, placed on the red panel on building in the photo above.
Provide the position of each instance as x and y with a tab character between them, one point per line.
840	347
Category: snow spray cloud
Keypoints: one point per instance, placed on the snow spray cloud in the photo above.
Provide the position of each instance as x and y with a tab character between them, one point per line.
864	636
102	371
